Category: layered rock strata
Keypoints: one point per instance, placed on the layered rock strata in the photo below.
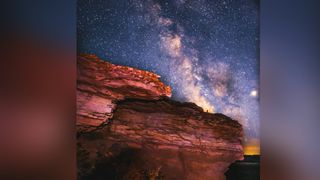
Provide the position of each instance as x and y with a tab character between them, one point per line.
101	84
148	135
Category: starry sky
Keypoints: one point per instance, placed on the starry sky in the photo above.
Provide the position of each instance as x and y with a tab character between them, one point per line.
206	50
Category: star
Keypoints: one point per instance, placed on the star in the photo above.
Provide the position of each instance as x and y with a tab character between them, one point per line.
204	49
253	93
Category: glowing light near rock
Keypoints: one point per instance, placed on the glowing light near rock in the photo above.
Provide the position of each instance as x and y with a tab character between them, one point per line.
254	93
252	147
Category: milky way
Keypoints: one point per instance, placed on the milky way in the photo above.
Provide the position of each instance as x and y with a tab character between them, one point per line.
206	50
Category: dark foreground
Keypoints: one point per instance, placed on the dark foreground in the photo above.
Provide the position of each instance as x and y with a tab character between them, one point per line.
248	169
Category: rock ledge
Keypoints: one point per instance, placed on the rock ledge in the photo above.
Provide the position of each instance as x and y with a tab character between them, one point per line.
131	129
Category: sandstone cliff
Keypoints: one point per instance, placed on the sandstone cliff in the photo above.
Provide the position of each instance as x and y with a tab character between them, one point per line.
130	129
101	84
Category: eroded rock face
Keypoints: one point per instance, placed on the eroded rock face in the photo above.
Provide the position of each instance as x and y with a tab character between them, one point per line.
148	135
101	84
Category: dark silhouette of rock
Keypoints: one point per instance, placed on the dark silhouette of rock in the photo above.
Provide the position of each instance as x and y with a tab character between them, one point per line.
247	169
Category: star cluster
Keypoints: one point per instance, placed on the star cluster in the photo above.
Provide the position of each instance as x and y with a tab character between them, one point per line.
206	50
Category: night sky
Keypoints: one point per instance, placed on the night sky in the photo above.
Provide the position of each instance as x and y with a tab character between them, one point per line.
206	50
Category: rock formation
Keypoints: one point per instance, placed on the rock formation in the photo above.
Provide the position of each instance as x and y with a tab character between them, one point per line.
101	84
130	129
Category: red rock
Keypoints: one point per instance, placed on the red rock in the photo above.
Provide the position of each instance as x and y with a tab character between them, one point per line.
101	85
147	135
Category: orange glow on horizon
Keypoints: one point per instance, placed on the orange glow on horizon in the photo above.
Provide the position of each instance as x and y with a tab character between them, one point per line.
252	147
251	150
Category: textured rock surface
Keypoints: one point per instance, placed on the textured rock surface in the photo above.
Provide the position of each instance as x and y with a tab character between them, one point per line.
148	135
101	84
